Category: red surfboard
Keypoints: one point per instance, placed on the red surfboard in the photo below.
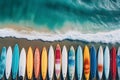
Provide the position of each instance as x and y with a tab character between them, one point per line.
58	61
36	63
113	63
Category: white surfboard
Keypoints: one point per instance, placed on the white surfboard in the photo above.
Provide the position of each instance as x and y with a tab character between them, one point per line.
22	64
64	62
106	62
118	62
51	62
100	62
8	62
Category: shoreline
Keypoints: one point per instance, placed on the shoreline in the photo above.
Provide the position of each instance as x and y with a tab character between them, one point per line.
104	37
22	42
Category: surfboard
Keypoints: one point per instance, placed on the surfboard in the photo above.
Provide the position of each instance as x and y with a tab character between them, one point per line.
29	63
86	62
8	62
36	63
58	61
22	64
113	63
100	62
64	62
71	63
79	62
118	62
15	61
2	62
93	62
51	62
106	62
44	63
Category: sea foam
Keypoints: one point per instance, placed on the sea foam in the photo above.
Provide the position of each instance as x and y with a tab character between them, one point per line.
104	37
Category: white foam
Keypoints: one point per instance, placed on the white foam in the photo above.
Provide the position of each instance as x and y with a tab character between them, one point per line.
105	37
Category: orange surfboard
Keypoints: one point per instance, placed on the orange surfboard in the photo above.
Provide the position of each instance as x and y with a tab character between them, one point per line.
44	63
86	62
36	63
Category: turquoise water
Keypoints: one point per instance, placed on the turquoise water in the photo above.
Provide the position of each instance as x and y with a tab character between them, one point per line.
85	15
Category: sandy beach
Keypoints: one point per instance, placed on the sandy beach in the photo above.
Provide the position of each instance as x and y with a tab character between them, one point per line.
9	41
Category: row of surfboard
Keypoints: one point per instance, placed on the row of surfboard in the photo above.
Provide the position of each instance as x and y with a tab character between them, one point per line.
86	61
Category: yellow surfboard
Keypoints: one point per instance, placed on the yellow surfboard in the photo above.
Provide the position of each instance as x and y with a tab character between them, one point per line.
86	62
29	63
44	63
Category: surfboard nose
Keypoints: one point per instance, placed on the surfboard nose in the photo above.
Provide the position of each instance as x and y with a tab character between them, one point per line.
44	48
58	46
72	48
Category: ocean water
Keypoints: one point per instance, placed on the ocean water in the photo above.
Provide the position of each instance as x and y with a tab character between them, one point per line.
50	20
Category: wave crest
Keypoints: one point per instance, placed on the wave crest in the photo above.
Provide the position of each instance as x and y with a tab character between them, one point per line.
105	37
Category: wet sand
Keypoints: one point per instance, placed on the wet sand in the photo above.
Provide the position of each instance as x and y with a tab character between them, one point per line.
9	41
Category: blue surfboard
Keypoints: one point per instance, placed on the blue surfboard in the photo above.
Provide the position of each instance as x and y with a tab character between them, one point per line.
71	63
79	62
93	62
118	62
15	61
2	62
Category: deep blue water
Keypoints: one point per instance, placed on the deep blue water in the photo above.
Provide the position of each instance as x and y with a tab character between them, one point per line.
88	15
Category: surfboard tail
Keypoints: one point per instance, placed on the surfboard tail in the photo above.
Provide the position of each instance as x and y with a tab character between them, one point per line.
87	78
50	79
21	78
64	78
